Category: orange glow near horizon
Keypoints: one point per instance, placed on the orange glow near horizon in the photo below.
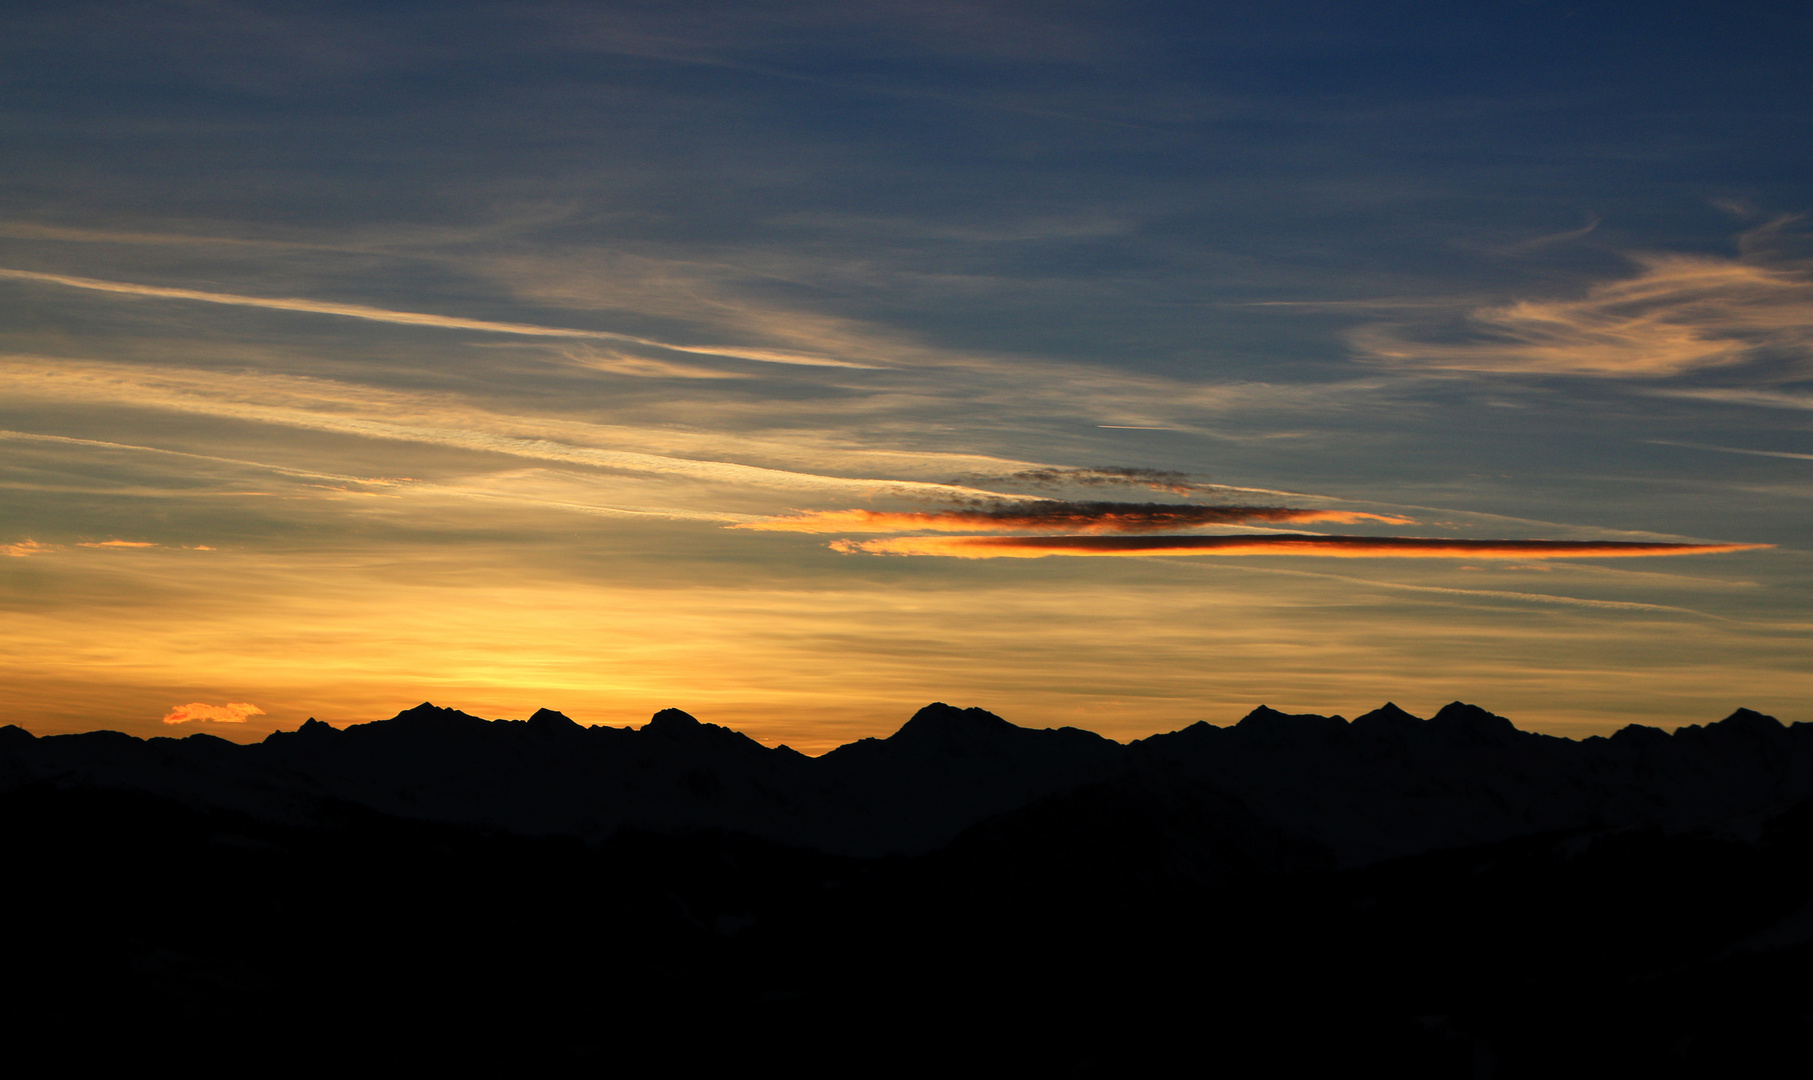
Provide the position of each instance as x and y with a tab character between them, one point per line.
1123	649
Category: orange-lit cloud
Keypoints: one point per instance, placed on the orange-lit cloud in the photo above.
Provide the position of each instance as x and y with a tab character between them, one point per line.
1057	515
117	544
233	712
1360	547
1679	314
25	548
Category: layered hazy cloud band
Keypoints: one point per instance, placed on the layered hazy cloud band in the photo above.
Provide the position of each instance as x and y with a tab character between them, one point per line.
1033	547
1057	515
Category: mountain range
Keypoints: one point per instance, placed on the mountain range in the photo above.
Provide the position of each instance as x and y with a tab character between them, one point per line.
1343	794
1299	891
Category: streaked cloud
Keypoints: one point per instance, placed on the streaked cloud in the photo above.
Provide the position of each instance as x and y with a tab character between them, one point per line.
766	356
1733	450
416	318
240	395
618	362
1764	398
1537	243
22	549
731	296
117	544
233	712
1057	515
1177	483
1353	547
326	406
102	444
1489	594
1681	313
31	230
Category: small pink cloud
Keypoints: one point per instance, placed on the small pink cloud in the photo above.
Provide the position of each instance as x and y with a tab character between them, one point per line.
233	712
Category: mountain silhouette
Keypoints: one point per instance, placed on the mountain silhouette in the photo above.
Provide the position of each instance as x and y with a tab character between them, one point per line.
1294	893
1386	785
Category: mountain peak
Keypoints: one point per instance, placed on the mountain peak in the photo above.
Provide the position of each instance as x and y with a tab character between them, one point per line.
1387	718
313	732
548	722
1473	721
682	729
1639	735
942	723
1267	719
670	722
1749	720
429	717
428	710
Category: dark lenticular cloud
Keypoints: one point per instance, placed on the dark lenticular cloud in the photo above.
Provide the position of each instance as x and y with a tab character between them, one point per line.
1059	516
1033	547
1177	483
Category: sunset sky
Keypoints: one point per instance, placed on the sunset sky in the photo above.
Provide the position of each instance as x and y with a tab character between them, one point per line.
622	356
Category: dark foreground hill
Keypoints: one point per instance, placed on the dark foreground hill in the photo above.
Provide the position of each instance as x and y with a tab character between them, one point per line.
1449	897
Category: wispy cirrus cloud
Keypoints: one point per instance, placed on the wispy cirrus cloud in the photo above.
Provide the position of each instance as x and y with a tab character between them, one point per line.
312	402
1680	313
1767	399
1733	450
29	230
417	318
1057	515
233	712
102	444
344	409
1361	547
619	362
1444	590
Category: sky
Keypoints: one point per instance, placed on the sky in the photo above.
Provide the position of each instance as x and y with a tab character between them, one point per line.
1116	365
